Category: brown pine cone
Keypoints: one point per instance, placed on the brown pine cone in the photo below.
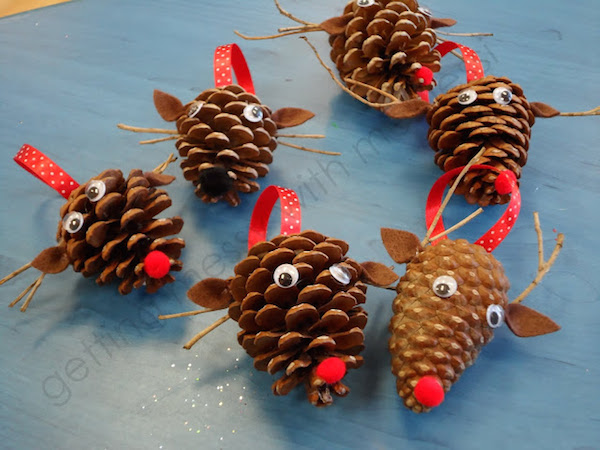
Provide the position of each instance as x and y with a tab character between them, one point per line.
490	112
440	318
384	44
108	227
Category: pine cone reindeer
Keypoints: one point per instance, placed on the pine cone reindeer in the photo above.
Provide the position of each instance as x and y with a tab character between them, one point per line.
297	299
382	49
452	297
108	228
226	136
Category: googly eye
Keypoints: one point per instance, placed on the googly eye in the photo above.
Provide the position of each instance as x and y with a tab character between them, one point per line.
286	276
253	113
425	11
495	316
95	190
72	222
194	109
365	3
502	95
444	286
467	96
341	274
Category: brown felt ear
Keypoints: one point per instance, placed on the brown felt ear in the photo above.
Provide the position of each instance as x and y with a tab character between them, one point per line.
407	109
169	107
291	117
527	322
51	260
436	22
542	110
401	245
212	293
378	274
335	25
158	179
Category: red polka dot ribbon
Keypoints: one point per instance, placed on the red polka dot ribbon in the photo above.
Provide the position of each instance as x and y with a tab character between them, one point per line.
229	58
291	215
505	182
473	65
42	167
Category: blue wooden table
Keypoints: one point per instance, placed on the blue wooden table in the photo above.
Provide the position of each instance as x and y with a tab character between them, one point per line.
87	368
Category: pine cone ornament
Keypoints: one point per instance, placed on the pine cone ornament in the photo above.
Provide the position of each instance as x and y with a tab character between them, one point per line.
449	302
491	113
384	44
108	227
297	299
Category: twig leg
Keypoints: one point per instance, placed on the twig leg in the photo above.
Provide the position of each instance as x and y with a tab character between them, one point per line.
185	314
161	168
10	276
207	330
36	285
308	149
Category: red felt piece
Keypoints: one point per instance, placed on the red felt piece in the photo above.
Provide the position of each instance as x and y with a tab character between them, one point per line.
227	60
43	168
157	264
429	392
331	370
168	106
291	215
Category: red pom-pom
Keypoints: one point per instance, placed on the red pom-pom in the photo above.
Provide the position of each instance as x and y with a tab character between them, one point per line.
504	182
331	370
429	392
157	264
425	74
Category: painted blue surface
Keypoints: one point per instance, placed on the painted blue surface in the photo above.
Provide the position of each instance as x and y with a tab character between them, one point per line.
86	368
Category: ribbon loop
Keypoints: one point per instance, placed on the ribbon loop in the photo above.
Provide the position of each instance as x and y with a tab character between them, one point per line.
473	66
42	167
506	182
291	215
229	58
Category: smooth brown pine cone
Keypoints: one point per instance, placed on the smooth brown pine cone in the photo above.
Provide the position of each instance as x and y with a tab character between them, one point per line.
457	133
119	229
383	46
293	329
223	151
441	337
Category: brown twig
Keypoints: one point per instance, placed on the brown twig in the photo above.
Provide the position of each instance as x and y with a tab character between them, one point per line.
545	266
449	195
207	330
122	126
161	168
591	112
308	149
275	36
290	15
373	88
301	27
154	141
305	136
185	314
458	225
447	33
36	285
10	276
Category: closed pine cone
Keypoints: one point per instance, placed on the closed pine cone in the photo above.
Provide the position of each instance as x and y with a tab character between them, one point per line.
223	152
383	45
457	132
119	229
441	337
294	329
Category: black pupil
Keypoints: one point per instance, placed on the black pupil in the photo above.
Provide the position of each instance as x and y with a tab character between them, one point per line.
494	318
443	289
74	224
255	111
285	279
94	191
464	97
505	96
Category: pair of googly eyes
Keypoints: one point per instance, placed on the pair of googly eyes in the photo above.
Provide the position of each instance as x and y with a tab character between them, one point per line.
502	96
287	276
73	222
445	286
252	112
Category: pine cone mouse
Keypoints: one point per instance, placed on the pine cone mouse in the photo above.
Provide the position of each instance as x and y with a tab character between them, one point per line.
108	227
297	299
451	298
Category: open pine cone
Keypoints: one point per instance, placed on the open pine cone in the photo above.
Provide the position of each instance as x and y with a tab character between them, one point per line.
227	139
108	228
490	112
297	300
384	44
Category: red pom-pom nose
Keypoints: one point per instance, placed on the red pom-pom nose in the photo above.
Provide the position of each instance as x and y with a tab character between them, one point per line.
331	370
505	182
429	392
424	75
157	264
